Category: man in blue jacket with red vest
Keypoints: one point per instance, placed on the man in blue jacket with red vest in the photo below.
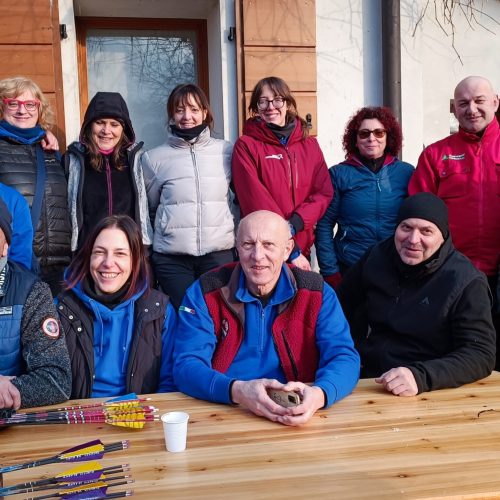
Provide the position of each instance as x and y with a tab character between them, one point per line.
245	329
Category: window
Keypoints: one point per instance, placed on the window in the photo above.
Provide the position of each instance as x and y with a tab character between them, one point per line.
144	60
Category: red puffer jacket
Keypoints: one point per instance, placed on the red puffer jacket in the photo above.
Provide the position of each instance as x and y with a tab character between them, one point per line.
464	170
285	179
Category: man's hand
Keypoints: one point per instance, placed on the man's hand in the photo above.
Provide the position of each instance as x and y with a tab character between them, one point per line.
9	395
302	263
252	394
400	381
313	398
49	142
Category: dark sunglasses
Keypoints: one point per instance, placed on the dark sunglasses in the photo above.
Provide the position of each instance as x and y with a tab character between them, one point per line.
365	133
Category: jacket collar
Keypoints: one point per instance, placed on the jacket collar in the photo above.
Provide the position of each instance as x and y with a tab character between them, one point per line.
236	290
356	162
258	129
490	132
177	142
425	268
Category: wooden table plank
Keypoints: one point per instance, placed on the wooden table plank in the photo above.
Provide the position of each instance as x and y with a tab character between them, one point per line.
444	444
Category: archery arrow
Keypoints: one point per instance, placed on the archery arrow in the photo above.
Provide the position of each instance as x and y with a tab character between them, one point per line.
92	450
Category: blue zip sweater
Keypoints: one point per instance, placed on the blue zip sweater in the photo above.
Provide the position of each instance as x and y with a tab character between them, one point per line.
364	208
195	343
113	336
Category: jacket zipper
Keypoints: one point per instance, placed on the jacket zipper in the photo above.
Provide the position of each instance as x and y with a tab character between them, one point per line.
290	165
198	199
110	186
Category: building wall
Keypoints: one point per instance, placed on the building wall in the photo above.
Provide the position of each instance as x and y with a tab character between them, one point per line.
349	67
431	68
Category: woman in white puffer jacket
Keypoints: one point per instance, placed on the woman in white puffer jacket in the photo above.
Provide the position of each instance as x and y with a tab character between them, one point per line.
187	181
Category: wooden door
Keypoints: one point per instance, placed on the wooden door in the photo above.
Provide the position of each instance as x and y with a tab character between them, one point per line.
277	38
30	46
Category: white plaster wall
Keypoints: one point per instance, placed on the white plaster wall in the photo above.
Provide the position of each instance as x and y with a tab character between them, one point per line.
229	87
431	68
349	67
339	48
69	71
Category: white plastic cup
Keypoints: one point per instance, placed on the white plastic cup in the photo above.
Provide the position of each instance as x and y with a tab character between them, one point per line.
175	430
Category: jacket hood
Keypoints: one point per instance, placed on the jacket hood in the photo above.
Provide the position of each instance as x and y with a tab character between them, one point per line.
258	130
108	105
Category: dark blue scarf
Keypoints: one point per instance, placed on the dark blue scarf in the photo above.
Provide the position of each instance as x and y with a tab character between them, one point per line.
21	135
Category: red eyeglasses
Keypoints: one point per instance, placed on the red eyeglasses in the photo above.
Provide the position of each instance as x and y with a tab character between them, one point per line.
15	104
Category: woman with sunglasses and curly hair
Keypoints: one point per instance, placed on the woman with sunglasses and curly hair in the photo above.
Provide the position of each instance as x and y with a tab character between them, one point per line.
277	167
370	185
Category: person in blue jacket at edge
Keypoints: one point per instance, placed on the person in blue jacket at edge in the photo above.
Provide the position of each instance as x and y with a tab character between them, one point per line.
119	331
21	246
249	327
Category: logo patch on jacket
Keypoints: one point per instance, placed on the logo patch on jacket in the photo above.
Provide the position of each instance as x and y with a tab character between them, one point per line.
453	157
5	311
425	302
50	328
274	157
187	309
224	328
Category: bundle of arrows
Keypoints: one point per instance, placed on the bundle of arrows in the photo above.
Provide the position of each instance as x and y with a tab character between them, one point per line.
84	482
125	411
93	450
89	480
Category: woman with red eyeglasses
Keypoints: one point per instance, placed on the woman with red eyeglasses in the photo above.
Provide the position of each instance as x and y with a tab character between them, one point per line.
369	185
36	173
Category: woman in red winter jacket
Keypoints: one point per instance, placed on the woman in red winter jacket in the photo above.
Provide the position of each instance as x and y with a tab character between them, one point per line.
276	166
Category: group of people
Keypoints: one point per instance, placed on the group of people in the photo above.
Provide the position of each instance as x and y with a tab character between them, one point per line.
187	267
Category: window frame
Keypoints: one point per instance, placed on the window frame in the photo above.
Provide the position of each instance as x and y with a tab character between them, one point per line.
83	24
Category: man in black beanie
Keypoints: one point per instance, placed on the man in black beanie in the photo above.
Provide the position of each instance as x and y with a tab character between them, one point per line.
427	308
35	368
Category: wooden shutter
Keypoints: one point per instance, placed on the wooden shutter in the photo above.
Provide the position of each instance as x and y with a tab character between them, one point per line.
277	38
30	46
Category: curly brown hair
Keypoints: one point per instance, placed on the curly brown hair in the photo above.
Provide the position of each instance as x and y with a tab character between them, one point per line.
385	117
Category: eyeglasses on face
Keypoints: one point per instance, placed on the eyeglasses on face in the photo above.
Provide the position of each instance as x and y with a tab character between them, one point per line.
263	103
365	133
15	104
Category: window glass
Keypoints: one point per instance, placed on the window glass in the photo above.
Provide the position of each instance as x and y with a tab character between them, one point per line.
144	66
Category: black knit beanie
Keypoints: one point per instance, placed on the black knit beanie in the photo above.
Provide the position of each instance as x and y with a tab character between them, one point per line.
5	221
425	206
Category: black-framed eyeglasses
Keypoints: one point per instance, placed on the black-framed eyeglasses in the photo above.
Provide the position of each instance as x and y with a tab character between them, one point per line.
364	133
263	103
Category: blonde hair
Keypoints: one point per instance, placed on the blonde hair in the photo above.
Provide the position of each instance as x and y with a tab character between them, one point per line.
10	88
